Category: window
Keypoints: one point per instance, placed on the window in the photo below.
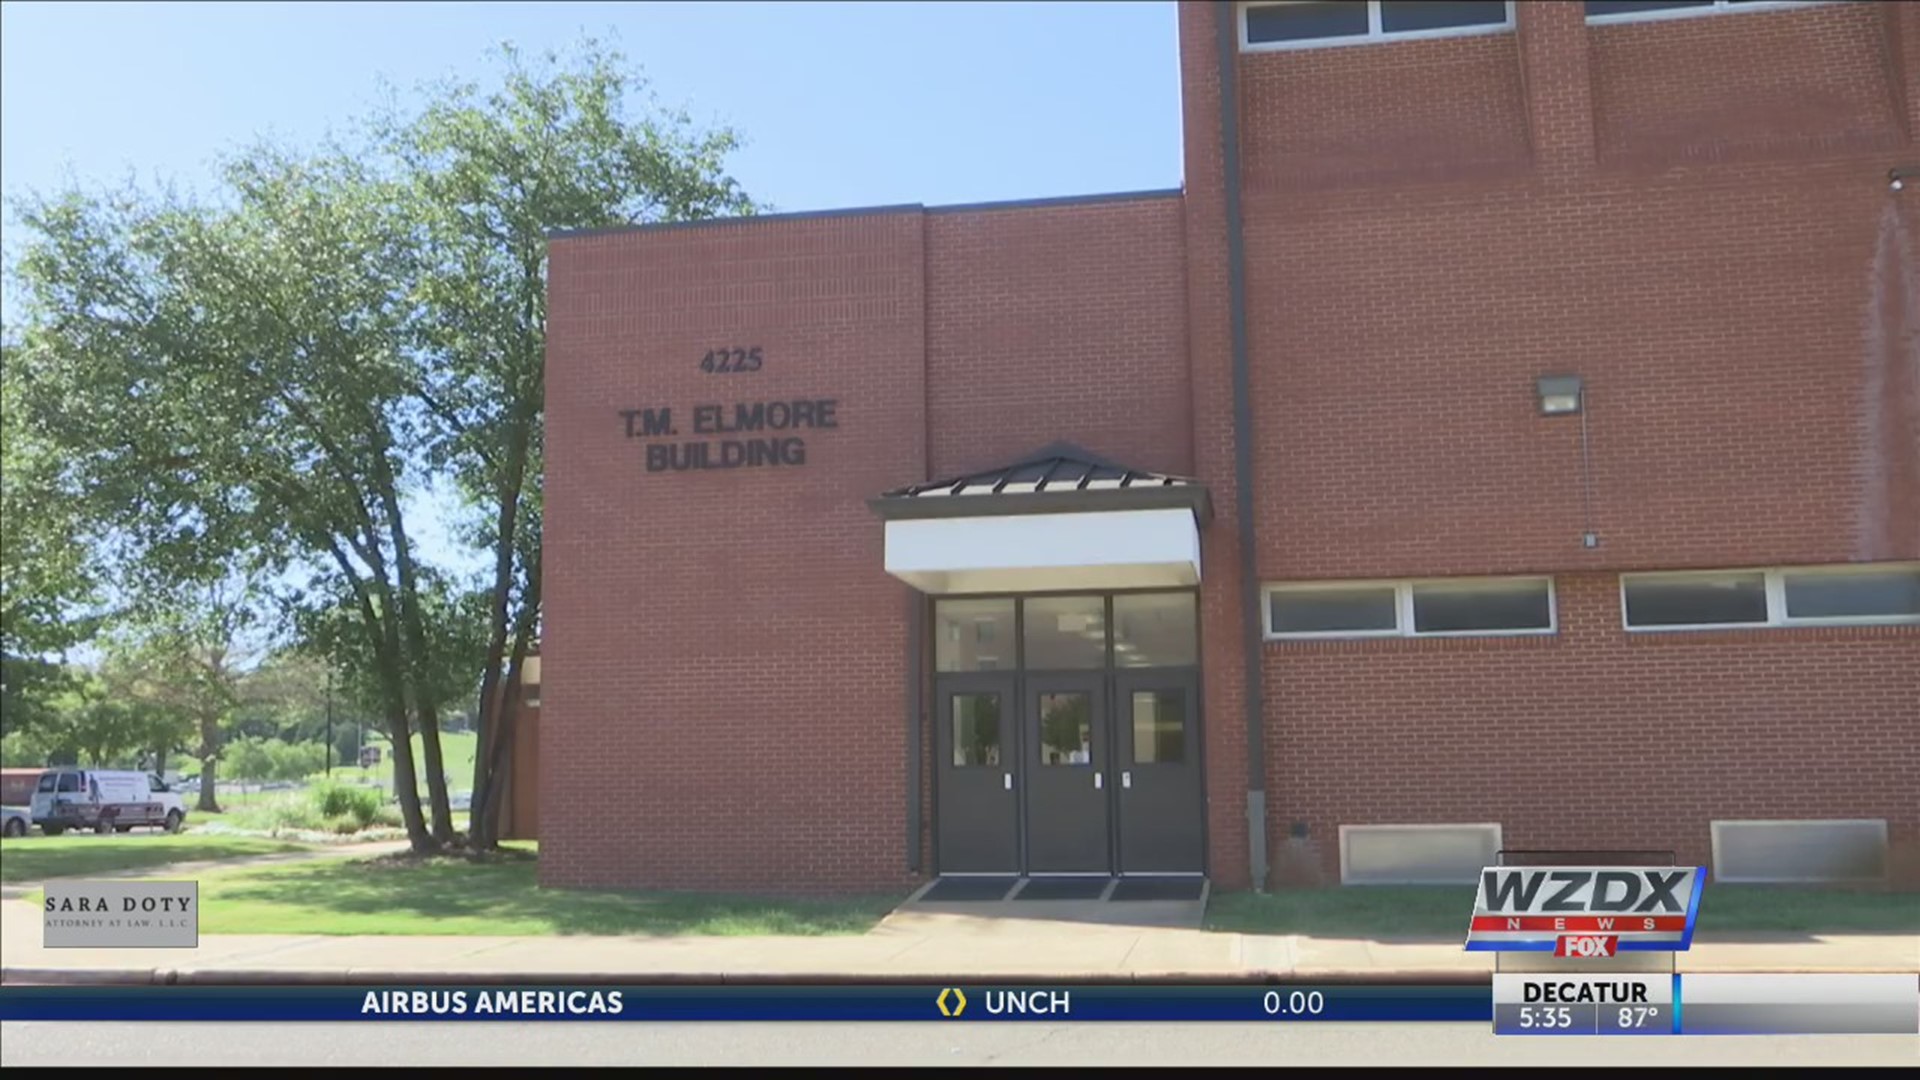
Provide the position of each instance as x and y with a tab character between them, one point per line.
1066	632
1411	608
1799	596
976	729
69	781
1154	630
1066	729
1306	24
1608	11
973	635
1159	727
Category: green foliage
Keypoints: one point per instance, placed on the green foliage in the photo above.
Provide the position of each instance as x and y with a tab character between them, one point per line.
45	581
250	388
337	800
255	759
336	808
246	759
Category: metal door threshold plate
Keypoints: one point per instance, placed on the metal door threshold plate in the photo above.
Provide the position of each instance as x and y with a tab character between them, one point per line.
984	889
1158	888
968	889
1064	888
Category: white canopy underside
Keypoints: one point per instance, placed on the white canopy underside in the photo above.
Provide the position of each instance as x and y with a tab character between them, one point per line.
1102	549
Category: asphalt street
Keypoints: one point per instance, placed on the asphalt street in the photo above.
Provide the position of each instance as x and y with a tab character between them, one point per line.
533	1044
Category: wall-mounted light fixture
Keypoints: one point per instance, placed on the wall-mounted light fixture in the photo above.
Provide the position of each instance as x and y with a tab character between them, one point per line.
1559	394
1898	176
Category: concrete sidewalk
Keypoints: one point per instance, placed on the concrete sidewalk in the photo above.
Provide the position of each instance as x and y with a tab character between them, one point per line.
905	947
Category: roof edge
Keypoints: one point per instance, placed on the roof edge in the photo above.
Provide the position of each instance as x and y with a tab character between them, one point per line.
1060	200
740	219
1192	497
874	211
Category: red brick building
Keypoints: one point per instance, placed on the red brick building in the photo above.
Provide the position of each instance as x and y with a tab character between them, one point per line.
1508	437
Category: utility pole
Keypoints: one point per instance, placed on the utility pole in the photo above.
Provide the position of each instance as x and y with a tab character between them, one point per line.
332	751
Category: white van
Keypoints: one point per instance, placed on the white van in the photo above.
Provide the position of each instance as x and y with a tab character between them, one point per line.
104	800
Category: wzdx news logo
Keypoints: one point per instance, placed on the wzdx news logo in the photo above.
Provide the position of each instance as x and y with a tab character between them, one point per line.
1585	911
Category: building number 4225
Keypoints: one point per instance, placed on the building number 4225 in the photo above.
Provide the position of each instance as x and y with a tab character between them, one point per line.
730	361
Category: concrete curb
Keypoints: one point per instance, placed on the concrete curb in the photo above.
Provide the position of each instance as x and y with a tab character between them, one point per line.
22	976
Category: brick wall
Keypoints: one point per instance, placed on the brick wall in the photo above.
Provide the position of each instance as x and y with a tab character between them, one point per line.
1746	332
1429	226
1433	109
1058	321
1702	229
723	663
1752	86
1595	737
1210	360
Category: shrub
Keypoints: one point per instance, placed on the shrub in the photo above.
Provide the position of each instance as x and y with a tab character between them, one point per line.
343	825
286	812
362	805
245	759
293	761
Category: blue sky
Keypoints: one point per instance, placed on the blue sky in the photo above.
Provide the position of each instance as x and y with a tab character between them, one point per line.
841	104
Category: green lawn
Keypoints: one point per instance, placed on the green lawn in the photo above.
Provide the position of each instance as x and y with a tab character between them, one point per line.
35	857
456	751
454	896
1442	911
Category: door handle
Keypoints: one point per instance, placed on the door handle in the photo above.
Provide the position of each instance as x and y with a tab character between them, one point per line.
1096	781
1007	780
1126	779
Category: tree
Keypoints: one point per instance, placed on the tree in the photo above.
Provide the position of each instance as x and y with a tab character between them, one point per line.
237	380
264	381
183	665
45	570
490	173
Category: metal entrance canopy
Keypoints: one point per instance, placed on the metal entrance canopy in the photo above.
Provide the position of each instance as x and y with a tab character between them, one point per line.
1058	518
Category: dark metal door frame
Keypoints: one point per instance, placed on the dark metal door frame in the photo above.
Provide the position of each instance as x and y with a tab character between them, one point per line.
1165	802
1066	814
1111	687
996	789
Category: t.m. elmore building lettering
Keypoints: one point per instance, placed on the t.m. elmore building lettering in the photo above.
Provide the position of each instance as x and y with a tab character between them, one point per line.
741	417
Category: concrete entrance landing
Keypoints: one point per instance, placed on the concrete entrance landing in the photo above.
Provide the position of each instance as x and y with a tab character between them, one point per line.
1179	903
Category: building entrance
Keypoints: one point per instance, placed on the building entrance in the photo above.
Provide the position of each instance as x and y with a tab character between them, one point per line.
1068	734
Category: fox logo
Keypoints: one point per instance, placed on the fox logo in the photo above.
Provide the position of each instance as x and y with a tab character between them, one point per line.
1585	945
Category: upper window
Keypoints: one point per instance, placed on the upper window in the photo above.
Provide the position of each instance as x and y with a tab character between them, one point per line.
1815	595
1411	608
1606	11
1306	24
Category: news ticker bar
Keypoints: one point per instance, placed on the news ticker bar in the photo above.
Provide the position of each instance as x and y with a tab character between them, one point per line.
1544	1003
949	1003
1538	1003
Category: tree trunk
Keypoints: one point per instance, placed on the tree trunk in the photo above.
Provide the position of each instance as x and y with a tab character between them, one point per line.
390	664
418	653
443	833
498	617
484	819
209	755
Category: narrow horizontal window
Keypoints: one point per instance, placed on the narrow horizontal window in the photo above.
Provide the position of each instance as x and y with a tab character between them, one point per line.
1268	23
1494	607
1632	10
1335	610
1867	593
1410	16
1306	23
1412	608
1813	595
1703	600
1640	7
